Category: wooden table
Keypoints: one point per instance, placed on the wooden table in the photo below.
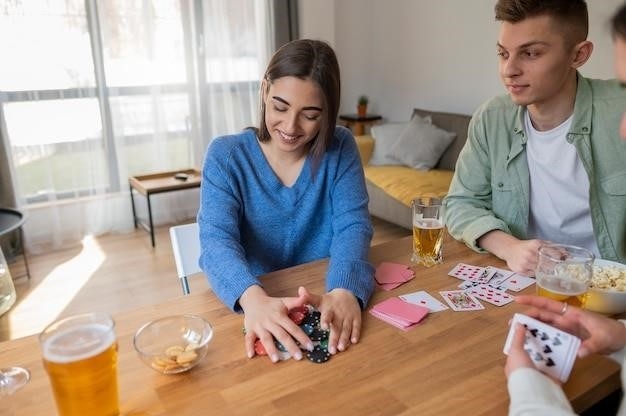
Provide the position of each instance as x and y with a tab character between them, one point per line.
157	183
450	364
358	123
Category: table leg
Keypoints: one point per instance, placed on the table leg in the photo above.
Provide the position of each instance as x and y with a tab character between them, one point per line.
132	204
150	220
24	253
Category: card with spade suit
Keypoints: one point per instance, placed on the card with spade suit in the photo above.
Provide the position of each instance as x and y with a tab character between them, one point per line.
552	351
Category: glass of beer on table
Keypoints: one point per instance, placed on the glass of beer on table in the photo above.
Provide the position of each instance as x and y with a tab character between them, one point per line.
427	231
80	357
564	273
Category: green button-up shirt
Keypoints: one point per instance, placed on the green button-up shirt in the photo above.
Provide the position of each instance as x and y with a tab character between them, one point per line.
490	187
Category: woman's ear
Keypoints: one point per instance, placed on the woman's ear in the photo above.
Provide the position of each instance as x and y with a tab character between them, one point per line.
582	53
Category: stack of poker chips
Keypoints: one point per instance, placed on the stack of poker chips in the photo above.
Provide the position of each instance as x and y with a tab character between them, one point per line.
308	319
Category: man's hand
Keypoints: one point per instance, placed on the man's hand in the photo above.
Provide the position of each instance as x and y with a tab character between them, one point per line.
521	256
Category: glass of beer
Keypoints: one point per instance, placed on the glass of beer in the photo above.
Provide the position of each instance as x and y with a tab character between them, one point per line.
427	231
80	356
564	273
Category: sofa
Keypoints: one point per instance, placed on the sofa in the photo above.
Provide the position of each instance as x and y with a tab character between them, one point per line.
394	176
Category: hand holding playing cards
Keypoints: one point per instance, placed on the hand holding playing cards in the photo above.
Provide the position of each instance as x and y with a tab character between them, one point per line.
518	357
341	314
598	333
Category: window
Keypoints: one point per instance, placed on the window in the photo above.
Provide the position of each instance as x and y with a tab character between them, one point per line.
93	91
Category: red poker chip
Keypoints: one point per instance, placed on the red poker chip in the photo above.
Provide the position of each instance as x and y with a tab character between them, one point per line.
296	316
259	349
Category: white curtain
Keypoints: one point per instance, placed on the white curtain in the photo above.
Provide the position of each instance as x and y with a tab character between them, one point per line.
95	91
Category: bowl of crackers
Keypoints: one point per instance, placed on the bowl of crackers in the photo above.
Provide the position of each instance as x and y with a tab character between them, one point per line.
173	344
607	292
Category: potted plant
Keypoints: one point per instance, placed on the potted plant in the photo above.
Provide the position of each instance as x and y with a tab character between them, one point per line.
361	107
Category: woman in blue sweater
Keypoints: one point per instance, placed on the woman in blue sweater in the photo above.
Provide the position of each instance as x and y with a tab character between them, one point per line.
289	192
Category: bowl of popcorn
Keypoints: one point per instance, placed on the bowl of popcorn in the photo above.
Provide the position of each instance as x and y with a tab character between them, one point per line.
173	344
607	293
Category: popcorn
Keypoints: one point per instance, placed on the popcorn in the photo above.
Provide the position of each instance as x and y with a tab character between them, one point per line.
609	278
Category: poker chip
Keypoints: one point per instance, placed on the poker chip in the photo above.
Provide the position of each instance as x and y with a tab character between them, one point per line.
318	355
318	334
308	319
312	318
324	344
297	314
259	349
307	328
280	346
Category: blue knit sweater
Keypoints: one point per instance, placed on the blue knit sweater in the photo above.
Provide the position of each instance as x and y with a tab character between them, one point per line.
251	224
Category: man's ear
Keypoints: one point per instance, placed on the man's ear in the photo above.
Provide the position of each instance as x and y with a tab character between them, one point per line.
581	53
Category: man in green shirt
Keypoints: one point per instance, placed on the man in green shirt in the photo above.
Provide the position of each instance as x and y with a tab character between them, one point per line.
543	162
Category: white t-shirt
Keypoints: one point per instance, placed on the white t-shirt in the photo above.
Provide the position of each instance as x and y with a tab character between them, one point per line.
559	188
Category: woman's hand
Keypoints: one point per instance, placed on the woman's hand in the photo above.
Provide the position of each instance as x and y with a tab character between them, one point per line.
266	318
341	314
599	334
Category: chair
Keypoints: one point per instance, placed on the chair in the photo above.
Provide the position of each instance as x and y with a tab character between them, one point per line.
186	247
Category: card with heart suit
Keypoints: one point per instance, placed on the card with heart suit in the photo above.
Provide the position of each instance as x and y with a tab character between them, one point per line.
490	294
399	313
500	275
459	300
423	298
552	351
478	274
517	282
466	284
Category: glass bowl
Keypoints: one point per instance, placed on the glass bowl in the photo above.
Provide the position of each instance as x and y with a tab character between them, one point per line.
173	344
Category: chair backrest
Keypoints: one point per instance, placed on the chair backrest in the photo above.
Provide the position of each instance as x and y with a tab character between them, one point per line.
186	247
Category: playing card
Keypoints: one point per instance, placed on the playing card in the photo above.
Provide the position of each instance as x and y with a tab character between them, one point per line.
552	351
391	275
500	276
466	271
517	282
422	298
490	294
399	313
466	284
461	301
474	273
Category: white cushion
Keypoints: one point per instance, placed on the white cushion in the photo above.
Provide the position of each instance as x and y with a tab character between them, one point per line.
420	145
385	136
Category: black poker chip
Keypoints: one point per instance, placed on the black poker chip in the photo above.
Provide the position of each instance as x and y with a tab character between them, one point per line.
280	346
312	319
318	355
318	334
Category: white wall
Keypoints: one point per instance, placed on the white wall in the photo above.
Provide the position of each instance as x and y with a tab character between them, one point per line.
437	55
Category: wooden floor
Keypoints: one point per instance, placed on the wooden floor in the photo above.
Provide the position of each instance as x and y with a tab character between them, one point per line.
108	274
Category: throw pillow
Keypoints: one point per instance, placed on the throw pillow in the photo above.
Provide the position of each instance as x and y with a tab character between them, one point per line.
385	135
420	145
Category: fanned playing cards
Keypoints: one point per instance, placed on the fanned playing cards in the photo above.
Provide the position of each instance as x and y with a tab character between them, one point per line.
552	351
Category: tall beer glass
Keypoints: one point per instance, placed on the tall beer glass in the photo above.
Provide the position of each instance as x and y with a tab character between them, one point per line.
427	231
564	273
80	356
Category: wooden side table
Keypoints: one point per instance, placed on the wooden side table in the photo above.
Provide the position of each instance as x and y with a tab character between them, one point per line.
156	183
357	124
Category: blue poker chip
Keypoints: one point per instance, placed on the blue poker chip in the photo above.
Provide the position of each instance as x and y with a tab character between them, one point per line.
280	346
307	328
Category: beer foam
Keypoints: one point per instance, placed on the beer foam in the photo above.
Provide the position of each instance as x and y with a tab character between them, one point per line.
75	344
428	223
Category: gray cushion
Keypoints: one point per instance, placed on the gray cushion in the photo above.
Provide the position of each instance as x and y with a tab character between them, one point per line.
420	144
385	135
